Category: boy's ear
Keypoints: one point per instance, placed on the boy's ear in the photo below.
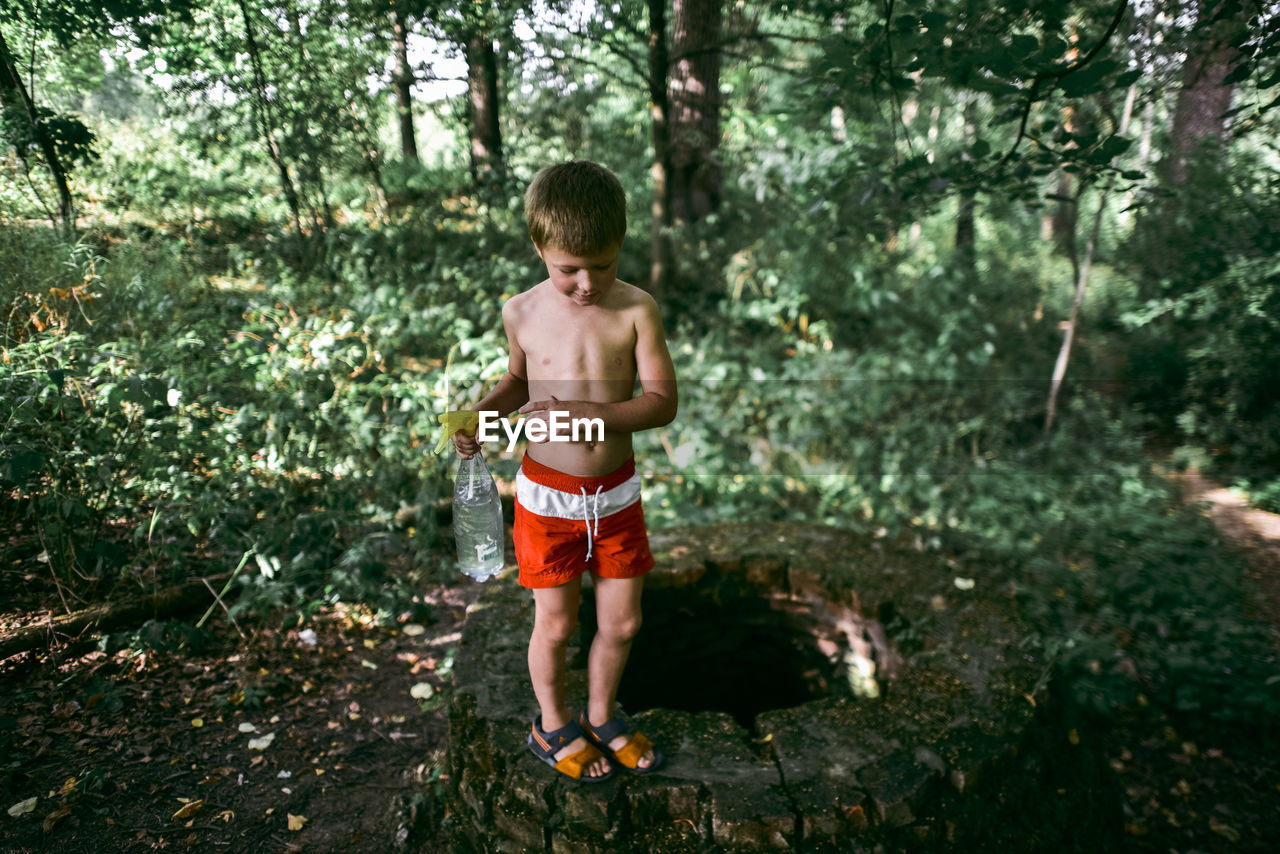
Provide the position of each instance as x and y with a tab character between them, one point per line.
538	249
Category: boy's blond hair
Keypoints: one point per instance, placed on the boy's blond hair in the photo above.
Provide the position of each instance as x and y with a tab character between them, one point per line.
577	207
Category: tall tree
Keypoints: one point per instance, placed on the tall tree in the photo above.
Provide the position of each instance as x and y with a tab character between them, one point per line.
658	67
265	120
694	173
61	139
483	102
19	110
403	80
1081	268
1205	96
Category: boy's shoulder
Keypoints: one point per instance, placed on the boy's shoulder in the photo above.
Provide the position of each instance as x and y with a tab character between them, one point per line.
634	297
519	304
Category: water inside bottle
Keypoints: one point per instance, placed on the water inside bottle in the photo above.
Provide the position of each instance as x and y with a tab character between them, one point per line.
477	521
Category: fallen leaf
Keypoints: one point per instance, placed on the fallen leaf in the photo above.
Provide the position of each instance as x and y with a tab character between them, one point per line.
189	809
422	691
364	662
296	821
262	743
23	807
197	722
247	727
1073	737
226	816
412	629
1224	830
68	786
52	818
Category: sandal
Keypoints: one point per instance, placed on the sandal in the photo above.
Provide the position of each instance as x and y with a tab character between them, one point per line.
628	756
545	744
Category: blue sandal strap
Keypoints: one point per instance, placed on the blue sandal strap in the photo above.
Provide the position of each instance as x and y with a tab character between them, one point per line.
607	731
560	737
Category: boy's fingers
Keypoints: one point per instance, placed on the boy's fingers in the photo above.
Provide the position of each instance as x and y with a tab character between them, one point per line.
536	405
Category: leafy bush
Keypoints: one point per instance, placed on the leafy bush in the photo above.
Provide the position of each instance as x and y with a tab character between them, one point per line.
1204	340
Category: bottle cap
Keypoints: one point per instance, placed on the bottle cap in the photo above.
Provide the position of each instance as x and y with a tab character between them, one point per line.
466	420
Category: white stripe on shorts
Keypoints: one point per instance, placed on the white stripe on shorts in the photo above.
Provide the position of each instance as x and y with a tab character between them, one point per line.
544	501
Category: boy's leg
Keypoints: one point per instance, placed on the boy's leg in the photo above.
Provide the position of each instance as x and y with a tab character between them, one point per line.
618	615
555	616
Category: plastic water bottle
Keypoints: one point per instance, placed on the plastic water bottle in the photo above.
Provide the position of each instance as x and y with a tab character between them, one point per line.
477	520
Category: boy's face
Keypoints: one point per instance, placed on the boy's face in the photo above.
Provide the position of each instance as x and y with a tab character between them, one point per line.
585	279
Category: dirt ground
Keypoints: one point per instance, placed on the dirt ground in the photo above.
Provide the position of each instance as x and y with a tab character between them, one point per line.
280	740
276	741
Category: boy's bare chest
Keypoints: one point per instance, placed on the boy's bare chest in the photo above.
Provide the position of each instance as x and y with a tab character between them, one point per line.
578	348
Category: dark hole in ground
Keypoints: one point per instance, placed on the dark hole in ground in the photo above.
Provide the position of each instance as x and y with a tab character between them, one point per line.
739	656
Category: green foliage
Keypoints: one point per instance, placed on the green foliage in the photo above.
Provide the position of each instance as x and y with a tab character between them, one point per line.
1207	331
72	141
223	418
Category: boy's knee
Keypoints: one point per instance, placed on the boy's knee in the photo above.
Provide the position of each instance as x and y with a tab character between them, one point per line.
621	630
556	628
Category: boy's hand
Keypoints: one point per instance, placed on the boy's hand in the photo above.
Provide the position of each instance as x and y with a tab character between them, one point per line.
540	410
467	444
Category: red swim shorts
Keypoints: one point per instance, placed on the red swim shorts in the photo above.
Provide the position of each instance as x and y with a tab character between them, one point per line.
565	524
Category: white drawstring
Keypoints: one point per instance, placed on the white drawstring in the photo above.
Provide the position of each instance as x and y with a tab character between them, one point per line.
596	510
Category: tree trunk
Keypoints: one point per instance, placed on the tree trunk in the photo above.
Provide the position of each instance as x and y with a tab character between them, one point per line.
695	182
965	229
482	86
660	250
14	97
1060	223
1198	115
310	168
266	125
1081	268
403	83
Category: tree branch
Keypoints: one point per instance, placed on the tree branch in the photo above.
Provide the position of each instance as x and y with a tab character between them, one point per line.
1057	77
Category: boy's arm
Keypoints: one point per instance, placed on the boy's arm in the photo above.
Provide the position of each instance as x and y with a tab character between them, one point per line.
657	405
511	392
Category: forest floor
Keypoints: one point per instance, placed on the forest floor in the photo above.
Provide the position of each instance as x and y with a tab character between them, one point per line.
331	739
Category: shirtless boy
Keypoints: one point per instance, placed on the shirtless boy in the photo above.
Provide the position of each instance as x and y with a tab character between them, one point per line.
578	341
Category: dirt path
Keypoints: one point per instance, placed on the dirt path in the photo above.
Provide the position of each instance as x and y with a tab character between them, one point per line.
1211	792
1255	532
